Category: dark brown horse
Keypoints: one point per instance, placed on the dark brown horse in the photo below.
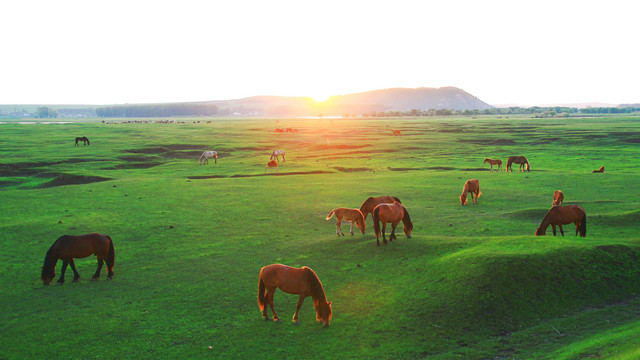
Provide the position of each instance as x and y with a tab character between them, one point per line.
562	215
301	281
83	139
368	205
524	163
391	213
68	247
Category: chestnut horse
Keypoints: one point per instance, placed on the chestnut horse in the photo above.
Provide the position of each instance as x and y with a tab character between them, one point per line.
601	170
558	197
493	162
271	165
275	155
368	205
391	213
209	154
83	139
68	247
301	281
518	160
470	187
397	133
562	215
350	215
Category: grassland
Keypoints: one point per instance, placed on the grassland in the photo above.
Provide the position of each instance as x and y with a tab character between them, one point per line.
473	282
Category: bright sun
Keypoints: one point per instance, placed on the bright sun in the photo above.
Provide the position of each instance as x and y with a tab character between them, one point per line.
320	98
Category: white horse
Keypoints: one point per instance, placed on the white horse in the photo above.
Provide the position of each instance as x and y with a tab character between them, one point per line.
277	153
209	154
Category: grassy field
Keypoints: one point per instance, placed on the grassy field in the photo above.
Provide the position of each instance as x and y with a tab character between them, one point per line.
473	282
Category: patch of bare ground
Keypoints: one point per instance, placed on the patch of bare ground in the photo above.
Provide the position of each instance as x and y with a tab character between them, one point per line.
70	179
405	169
134	165
475	169
343	169
440	168
199	177
282	174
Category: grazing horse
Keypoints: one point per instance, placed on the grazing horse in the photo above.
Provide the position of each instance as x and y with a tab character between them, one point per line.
470	187
281	131
391	213
271	165
350	215
601	170
276	153
368	205
562	215
493	162
209	154
301	281
68	247
397	133
83	139
558	197
518	160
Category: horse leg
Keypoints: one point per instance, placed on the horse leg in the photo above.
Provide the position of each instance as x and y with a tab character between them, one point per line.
97	274
554	229
393	232
561	232
339	227
384	228
270	294
351	228
295	316
76	275
65	262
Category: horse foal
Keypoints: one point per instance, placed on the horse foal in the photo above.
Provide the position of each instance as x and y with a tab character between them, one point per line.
271	165
558	197
492	162
350	215
473	187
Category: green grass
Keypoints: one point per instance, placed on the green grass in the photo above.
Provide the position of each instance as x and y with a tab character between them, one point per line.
472	282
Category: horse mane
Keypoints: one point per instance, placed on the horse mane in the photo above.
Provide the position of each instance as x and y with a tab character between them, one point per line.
396	199
50	259
317	290
406	219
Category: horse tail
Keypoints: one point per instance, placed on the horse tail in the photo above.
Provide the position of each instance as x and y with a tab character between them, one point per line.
583	226
376	220
330	214
261	290
111	257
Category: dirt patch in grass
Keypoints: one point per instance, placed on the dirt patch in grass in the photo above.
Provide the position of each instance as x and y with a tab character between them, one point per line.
440	168
282	174
405	169
134	165
69	179
632	140
342	169
199	177
475	169
134	158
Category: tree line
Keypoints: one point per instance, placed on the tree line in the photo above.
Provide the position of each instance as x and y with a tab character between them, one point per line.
157	110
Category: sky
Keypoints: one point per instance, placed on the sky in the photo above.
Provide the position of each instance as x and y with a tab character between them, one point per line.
503	52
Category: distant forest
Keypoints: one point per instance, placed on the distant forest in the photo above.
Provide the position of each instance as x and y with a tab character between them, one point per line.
158	110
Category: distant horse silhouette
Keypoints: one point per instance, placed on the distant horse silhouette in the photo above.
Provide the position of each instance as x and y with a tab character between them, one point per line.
558	197
470	187
209	154
289	131
301	281
368	205
83	139
391	213
271	165
562	215
350	215
67	247
518	160
276	153
281	131
601	170
397	133
493	162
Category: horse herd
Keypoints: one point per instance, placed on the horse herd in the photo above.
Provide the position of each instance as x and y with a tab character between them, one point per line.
303	281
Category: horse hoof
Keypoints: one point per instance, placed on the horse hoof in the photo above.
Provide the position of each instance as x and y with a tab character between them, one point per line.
296	322
94	279
59	283
75	280
277	320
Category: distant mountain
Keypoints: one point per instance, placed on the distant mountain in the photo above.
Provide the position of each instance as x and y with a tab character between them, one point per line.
395	99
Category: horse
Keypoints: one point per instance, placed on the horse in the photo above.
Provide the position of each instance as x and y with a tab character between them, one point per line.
301	281
493	162
83	139
276	153
562	215
209	154
518	160
558	197
601	170
391	213
368	205
67	247
350	215
272	164
397	133
281	131
470	187
289	131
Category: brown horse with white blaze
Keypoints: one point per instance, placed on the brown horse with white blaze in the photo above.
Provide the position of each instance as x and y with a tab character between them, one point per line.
472	187
301	281
68	247
391	213
562	215
558	197
350	215
368	205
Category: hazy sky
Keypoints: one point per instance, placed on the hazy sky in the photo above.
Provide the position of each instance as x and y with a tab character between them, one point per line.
503	52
